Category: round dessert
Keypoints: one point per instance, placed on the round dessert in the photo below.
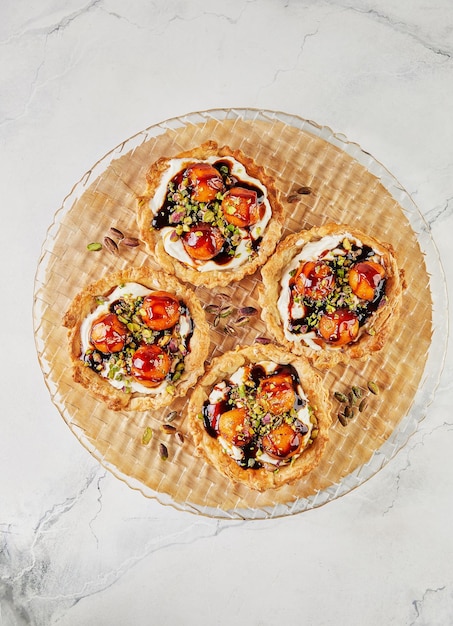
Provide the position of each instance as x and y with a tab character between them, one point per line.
260	416
331	293
137	339
209	215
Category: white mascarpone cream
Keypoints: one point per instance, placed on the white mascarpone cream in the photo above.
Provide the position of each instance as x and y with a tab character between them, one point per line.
128	290
220	392
327	248
175	248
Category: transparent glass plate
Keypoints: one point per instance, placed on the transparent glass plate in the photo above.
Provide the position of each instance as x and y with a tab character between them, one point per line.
347	186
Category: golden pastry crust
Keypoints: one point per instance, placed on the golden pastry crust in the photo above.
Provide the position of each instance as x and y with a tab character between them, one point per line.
87	301
215	277
266	476
372	334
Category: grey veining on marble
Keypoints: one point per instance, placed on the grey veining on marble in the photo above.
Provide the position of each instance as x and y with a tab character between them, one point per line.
77	77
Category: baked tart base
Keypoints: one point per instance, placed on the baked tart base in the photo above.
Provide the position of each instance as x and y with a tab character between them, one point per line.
221	238
304	279
269	452
176	369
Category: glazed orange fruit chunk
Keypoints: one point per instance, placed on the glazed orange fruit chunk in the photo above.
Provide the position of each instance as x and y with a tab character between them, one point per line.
240	207
340	327
205	182
150	365
160	310
203	242
315	279
108	334
234	427
282	442
276	394
364	278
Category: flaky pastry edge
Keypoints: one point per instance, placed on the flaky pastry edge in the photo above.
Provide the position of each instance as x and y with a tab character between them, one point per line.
209	448
374	333
213	278
85	302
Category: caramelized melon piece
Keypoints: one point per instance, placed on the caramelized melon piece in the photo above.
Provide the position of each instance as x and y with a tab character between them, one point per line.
315	279
205	182
108	334
276	393
340	327
150	365
240	207
235	428
203	242
282	442
364	278
160	310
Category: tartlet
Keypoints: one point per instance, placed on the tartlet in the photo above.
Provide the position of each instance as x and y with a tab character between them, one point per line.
260	416
332	293
137	338
209	215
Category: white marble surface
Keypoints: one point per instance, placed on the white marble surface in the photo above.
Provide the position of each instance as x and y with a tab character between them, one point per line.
77	546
